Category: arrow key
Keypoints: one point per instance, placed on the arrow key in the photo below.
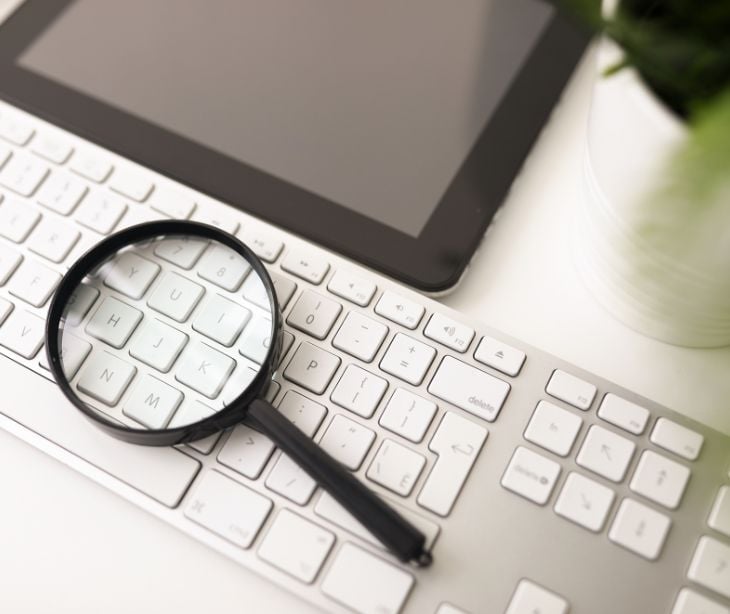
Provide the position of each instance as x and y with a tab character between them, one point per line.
606	453
584	502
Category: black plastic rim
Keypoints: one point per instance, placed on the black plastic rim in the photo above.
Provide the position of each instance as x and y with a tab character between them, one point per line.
232	414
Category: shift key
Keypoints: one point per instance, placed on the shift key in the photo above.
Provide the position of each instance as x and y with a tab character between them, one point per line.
457	442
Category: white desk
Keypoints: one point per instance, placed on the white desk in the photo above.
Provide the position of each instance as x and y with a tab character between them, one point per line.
72	546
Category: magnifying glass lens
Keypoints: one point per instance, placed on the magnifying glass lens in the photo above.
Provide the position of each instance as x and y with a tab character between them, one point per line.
167	332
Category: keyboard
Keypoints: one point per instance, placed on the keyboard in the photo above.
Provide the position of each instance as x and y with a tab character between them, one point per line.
541	487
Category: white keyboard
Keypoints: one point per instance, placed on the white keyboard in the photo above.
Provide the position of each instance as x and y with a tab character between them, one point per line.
541	488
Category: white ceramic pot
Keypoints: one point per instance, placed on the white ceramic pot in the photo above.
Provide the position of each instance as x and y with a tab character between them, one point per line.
664	271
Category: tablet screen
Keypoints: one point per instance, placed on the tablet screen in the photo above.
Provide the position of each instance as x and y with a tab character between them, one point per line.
372	105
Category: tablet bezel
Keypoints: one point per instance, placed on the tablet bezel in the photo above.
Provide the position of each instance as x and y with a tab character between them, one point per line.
432	262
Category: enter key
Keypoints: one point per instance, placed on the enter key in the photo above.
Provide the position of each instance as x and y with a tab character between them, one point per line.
457	442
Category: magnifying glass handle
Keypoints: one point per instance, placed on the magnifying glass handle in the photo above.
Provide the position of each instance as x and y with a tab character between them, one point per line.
397	534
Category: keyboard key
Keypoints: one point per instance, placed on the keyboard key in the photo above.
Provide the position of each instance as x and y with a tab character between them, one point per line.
720	514
152	402
447	608
396	467
606	453
385	591
23	333
73	353
61	193
9	261
131	274
131	183
237	383
105	377
314	314
52	148
17	219
408	415
175	296
296	546
407	359
659	479
399	310
114	322
158	345
677	439
221	217
640	529
448	332
23	174
246	451
290	481
312	368
184	252
5	153
92	166
553	428
300	411
306	266
53	239
500	356
221	320
531	475
469	388
79	304
529	598
173	203
228	509
359	391
256	339
352	288
223	267
264	246
15	130
360	336
623	414
457	442
101	211
190	413
284	288
328	508
204	369
32	282
347	441
689	602
710	566
571	389
254	291
584	502
5	308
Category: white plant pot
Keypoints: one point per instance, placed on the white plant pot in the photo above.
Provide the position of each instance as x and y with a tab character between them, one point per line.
682	296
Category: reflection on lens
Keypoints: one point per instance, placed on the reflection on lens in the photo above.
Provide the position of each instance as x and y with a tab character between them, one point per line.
166	332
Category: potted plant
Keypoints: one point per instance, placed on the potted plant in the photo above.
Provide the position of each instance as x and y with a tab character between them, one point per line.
653	231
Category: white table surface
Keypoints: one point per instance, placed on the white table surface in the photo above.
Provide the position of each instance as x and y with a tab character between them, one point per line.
68	545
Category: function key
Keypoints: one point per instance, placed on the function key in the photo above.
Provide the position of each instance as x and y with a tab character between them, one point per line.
571	389
500	356
399	310
52	149
173	203
265	247
219	216
15	130
305	265
448	332
352	288
677	439
94	168
623	414
720	514
132	184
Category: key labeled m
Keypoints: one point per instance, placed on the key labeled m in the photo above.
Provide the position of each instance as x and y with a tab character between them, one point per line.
152	400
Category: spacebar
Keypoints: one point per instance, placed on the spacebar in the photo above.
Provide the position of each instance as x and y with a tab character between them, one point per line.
161	473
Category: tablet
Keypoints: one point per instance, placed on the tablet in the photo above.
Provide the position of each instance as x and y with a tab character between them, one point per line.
387	130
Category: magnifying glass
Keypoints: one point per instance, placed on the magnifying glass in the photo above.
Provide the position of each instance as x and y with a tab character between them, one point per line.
169	332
